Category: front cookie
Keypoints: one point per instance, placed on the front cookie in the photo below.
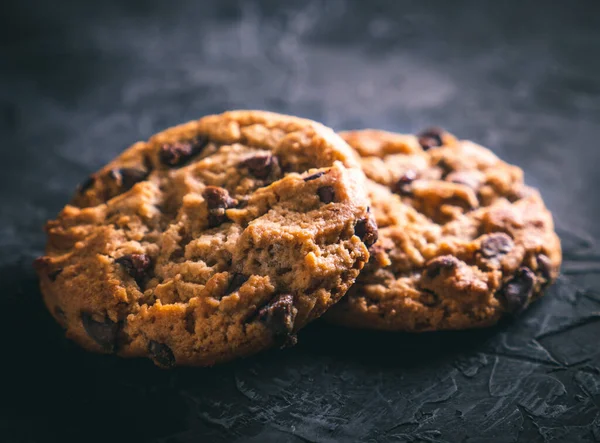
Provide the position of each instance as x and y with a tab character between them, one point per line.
462	241
215	239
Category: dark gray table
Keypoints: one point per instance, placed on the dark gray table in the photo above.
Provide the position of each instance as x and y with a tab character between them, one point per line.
80	81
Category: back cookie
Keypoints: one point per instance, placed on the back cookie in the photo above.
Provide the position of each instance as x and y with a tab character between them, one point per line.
462	241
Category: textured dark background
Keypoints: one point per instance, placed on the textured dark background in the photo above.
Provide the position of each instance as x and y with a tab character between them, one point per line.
80	81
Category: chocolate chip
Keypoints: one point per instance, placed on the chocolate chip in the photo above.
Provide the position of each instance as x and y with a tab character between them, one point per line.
236	283
429	298
279	314
217	197
102	332
86	184
545	266
136	265
326	194
314	176
496	245
517	291
366	230
435	266
179	153
215	219
127	177
445	167
52	275
430	138
403	185
161	354
217	200
190	321
261	165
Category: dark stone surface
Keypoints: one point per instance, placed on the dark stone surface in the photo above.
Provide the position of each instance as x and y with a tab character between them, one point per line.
80	81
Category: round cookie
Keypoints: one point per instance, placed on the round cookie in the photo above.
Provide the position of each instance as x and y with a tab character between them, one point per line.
214	239
462	241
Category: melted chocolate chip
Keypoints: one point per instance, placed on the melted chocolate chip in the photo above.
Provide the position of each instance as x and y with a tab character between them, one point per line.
102	332
366	230
435	266
279	315
86	184
496	245
161	354
403	185
430	138
314	176
136	265
326	194
236	283
517	291
179	153
54	274
544	266
127	177
217	200
261	165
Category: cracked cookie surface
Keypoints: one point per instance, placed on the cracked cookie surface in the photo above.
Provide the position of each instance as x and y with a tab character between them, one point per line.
212	240
462	240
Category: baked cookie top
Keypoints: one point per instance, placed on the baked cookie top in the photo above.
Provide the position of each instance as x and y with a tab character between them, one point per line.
462	240
212	240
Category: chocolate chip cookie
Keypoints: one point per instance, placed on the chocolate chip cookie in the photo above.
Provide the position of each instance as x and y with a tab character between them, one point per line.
462	240
212	240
